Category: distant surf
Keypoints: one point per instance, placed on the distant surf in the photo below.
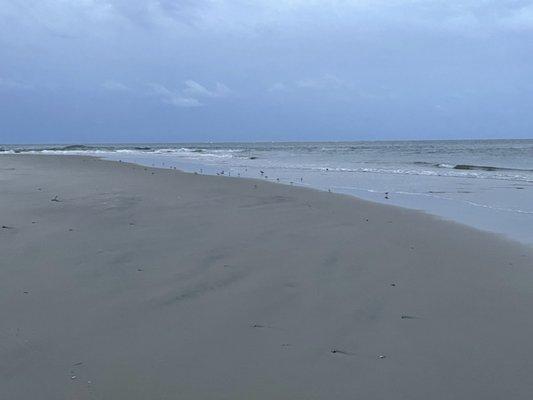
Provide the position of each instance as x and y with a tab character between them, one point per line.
472	167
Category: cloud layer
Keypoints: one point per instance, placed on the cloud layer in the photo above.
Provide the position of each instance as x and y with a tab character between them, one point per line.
288	69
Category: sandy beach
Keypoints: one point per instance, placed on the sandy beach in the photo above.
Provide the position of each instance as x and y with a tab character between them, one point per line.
124	282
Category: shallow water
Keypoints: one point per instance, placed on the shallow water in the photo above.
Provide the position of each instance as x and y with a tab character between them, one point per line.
486	184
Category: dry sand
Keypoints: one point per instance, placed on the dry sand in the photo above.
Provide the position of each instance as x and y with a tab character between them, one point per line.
142	283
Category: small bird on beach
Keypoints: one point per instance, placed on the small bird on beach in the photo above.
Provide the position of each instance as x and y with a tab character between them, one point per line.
386	195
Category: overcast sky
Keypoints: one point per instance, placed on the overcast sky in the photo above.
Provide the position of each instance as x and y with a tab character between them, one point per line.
200	70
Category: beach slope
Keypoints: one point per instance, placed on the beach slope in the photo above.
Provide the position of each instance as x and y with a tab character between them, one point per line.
124	282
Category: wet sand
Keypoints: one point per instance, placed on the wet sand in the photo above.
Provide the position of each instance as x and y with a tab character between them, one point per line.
124	282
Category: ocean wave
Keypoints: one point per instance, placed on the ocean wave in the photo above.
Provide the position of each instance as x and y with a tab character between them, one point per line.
452	173
471	167
196	153
288	156
488	168
67	148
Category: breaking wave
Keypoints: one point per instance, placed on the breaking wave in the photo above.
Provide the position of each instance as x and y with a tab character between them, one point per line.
471	167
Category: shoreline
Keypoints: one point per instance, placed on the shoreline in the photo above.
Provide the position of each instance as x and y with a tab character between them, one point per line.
494	193
339	191
140	282
437	217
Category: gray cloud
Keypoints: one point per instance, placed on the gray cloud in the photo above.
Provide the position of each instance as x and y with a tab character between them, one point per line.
241	15
172	97
190	95
324	82
194	89
297	67
278	87
115	86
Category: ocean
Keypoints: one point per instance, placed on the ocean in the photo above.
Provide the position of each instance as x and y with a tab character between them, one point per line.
487	184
